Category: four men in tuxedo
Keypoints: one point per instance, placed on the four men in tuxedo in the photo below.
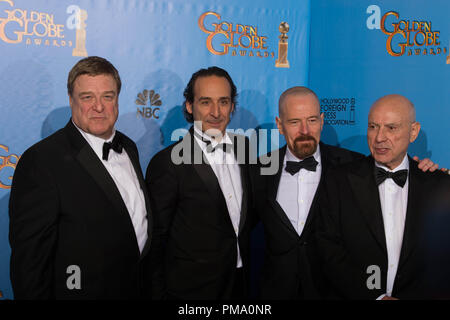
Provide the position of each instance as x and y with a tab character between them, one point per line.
200	196
80	223
373	212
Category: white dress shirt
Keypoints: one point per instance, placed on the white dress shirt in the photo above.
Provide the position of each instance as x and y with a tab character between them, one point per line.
296	192
228	173
121	169
394	202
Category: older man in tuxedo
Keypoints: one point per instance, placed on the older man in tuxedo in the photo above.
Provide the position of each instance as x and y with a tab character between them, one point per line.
80	224
371	228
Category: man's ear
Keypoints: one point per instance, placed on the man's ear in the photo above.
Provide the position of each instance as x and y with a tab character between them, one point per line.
189	107
322	116
280	127
415	129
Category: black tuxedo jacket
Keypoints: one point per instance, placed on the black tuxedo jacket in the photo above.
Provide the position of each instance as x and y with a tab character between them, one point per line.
194	240
66	210
351	236
291	269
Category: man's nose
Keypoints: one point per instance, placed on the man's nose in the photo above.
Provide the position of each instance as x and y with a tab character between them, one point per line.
380	136
215	110
98	105
303	128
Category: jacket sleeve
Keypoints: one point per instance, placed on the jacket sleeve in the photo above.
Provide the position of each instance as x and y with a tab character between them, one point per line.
33	213
162	183
346	279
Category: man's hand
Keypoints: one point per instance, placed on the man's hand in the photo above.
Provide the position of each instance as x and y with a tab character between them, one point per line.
426	164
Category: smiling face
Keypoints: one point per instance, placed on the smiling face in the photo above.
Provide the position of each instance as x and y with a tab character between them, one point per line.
212	104
94	104
391	128
301	124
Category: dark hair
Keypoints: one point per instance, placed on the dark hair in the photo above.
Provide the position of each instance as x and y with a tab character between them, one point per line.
189	90
92	66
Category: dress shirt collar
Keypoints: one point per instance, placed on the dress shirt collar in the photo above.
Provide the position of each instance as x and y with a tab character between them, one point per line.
291	157
403	165
96	143
201	137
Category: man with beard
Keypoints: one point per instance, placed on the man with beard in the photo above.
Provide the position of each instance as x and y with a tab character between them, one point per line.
287	201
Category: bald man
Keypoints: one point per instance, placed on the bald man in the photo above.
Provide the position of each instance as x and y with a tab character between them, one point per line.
287	200
372	211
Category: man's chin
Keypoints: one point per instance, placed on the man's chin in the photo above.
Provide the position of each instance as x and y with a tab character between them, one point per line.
101	132
306	150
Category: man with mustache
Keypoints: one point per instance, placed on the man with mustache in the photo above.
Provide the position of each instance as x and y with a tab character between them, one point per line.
287	201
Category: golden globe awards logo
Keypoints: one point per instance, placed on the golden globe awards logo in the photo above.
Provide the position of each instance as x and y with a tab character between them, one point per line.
234	39
9	161
413	36
36	28
406	36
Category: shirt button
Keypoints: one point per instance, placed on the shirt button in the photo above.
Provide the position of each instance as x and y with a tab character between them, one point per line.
301	200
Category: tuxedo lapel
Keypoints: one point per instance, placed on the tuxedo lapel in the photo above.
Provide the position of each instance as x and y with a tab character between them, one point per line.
273	182
416	189
92	164
326	160
241	153
365	191
137	169
205	171
207	175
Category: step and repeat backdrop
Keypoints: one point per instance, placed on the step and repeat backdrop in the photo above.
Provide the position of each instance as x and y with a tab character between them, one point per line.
362	50
349	52
156	46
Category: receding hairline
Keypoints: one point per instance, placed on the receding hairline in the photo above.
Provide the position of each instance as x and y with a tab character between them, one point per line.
396	99
295	91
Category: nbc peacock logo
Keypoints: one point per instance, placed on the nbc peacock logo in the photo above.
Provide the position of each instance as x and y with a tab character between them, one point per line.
150	102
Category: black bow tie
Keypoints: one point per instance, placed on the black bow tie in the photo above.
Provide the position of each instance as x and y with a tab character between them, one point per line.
294	166
399	177
115	144
226	147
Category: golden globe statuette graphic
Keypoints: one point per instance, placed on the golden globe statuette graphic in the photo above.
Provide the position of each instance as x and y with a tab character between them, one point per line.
282	61
80	37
